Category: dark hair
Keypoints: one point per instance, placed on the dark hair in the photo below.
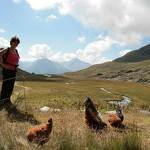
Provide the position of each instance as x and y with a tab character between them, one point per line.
15	39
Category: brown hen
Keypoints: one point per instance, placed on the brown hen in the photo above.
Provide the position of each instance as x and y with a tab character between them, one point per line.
116	119
92	117
40	134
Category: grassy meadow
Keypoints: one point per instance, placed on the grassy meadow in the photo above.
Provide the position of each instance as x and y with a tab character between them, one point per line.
66	98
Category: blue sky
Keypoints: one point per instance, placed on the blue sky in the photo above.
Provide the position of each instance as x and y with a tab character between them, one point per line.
94	31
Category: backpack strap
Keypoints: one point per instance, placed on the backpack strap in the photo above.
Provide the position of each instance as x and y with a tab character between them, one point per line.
17	52
5	54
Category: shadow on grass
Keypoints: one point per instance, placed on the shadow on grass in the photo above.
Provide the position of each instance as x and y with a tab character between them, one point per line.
13	114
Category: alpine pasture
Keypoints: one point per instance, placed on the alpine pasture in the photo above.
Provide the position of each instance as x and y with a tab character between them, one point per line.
65	99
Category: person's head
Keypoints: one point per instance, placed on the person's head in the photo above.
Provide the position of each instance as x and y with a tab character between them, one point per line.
14	41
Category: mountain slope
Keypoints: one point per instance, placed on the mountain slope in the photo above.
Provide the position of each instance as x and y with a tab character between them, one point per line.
44	66
136	55
25	76
137	72
135	68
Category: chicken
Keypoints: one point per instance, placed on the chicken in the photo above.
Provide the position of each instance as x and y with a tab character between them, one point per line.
92	117
116	119
40	134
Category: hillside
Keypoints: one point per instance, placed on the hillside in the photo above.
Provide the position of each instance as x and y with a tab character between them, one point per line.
136	55
43	66
134	66
25	76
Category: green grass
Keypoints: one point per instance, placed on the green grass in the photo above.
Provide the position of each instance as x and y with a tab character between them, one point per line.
62	95
69	130
70	133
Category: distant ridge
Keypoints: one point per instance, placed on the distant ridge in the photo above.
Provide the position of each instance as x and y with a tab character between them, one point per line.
136	55
46	66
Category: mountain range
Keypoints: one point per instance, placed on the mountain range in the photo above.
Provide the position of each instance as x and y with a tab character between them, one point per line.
46	66
134	66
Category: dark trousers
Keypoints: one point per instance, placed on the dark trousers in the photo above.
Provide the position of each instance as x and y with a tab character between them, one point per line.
9	78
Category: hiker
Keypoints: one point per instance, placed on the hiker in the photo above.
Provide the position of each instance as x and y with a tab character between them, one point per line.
9	59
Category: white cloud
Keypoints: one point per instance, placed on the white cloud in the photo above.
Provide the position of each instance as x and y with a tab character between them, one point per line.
40	51
126	21
4	42
92	52
123	52
2	30
61	57
82	39
27	58
102	60
52	17
42	4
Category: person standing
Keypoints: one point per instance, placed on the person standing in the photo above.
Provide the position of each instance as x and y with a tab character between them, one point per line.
9	59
